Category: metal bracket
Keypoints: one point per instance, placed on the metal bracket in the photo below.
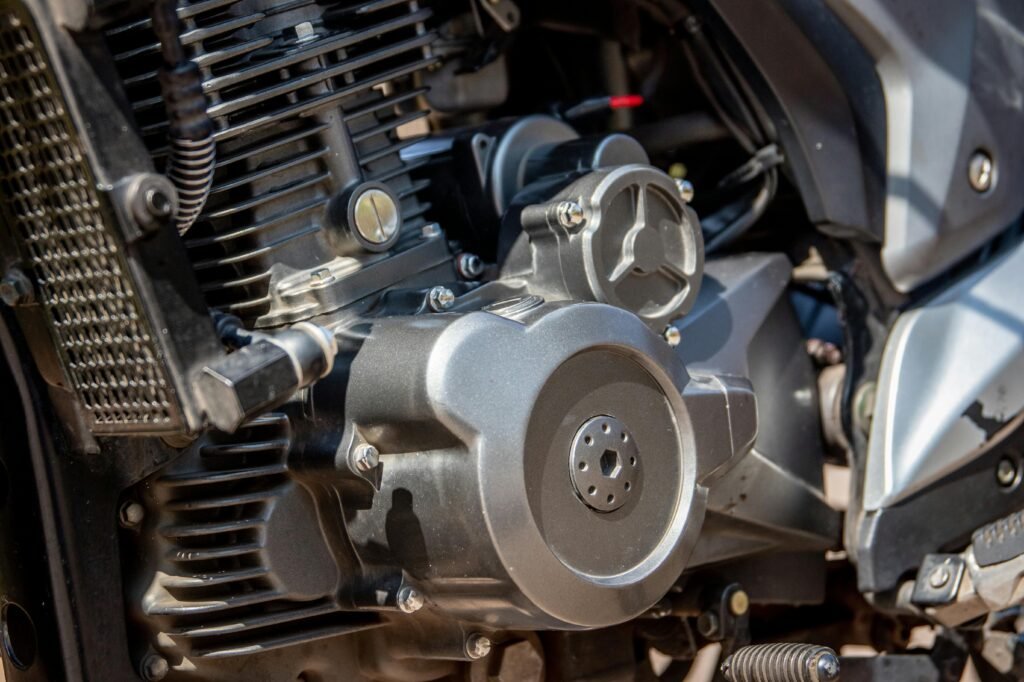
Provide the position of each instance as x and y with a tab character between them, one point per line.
939	579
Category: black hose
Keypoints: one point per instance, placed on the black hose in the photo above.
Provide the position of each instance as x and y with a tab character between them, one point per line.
192	147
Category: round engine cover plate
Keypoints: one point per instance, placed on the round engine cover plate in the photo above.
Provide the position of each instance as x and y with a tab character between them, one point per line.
604	463
499	510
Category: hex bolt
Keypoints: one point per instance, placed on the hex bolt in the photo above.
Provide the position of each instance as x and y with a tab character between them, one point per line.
154	667
739	603
939	576
440	299
672	335
477	646
410	600
1006	472
469	265
570	214
366	457
131	514
981	171
685	188
707	624
431	231
15	288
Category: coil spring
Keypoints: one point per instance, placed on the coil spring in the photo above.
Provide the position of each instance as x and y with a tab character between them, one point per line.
190	168
783	662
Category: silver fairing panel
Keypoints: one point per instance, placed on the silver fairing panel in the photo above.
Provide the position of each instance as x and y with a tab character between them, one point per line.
952	374
953	80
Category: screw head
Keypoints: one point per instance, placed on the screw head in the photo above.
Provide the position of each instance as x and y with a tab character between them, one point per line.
154	667
685	188
672	335
939	576
828	667
981	170
707	624
440	299
431	231
739	603
410	600
15	288
570	214
477	646
1006	472
131	514
469	265
376	216
366	457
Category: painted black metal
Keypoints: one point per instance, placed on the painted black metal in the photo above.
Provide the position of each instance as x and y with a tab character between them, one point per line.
834	142
892	542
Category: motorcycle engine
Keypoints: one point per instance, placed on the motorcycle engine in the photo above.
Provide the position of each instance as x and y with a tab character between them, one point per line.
497	443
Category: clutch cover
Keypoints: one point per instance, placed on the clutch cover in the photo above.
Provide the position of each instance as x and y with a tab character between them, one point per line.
564	482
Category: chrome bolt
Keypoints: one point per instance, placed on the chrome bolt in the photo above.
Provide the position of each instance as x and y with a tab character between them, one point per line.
672	335
828	667
366	457
1006	472
410	600
469	265
15	288
707	624
570	214
131	514
685	188
477	646
939	576
431	231
440	299
981	171
154	667
376	216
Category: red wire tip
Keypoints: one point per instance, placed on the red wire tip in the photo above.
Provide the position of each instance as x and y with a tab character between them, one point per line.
625	101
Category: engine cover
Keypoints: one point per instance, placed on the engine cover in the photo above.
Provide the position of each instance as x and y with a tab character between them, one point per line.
565	482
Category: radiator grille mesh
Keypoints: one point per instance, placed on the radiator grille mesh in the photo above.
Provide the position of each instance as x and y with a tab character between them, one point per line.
49	197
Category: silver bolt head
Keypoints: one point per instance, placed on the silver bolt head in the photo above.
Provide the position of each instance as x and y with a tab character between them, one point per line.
155	667
477	646
132	514
15	288
672	335
828	667
981	172
410	600
685	188
570	214
366	457
1006	472
440	299
376	216
939	576
469	265
431	231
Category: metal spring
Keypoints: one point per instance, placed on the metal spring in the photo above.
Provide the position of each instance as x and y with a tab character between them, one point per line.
190	167
782	662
